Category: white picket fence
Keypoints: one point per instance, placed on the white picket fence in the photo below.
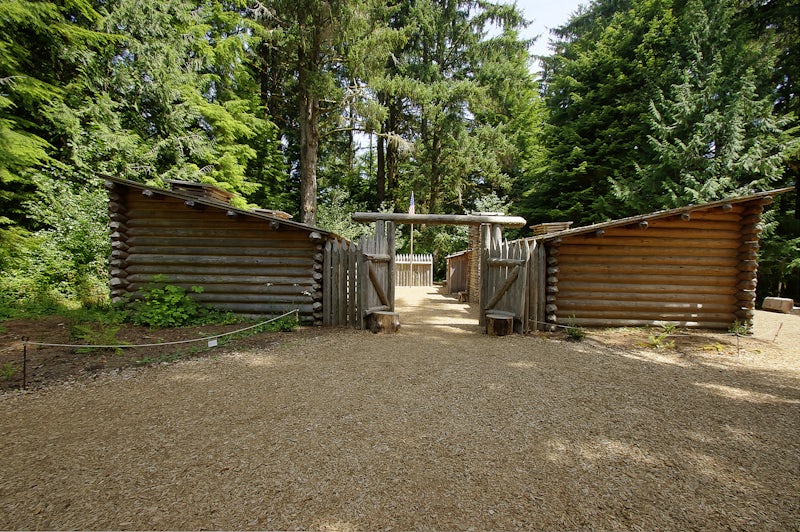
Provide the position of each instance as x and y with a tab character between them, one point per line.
416	270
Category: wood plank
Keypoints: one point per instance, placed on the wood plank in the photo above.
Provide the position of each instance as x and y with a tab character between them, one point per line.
501	291
327	285
728	259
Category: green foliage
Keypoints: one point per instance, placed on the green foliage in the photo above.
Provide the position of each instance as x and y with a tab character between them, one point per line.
740	328
335	208
8	370
65	259
166	305
96	333
285	324
779	251
659	341
574	332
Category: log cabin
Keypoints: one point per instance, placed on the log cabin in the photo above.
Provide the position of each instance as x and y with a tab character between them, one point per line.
249	262
694	266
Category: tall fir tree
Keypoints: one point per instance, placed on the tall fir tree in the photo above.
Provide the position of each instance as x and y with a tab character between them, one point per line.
713	131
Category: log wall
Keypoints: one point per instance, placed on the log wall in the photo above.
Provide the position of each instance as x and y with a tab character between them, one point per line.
697	269
246	265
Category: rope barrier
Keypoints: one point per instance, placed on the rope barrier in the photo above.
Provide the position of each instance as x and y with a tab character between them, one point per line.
26	341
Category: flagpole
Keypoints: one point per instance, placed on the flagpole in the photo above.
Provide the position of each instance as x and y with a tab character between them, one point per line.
412	210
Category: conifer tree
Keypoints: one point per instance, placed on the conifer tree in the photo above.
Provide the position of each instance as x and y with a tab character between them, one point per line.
713	131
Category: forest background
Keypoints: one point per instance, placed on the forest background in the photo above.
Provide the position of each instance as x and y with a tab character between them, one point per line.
642	105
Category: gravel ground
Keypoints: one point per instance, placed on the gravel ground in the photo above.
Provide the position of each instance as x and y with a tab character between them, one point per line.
436	427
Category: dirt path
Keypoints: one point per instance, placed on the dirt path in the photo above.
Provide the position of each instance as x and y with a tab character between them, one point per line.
437	427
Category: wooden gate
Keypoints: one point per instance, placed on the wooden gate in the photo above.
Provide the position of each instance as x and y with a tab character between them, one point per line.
358	279
504	278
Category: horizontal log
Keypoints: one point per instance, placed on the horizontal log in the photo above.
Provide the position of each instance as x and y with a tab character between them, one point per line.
747	255
178	276
579	307
745	314
750	245
730	260
628	322
594	269
747	275
268	309
582	247
653	297
655	315
647	287
218	246
439	219
118	272
552	261
119	244
118	263
119	254
745	295
118	216
674	280
218	236
213	299
220	260
114	206
687	233
614	244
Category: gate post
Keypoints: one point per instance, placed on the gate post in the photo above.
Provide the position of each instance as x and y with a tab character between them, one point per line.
486	246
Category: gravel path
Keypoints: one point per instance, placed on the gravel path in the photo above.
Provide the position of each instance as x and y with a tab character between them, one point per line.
436	427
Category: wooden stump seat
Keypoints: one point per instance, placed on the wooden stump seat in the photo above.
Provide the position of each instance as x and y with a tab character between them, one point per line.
499	323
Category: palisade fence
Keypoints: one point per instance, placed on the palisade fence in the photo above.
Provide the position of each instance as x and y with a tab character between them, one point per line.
357	279
414	270
340	284
504	275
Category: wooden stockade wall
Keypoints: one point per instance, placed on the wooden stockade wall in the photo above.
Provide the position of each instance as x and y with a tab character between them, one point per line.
694	268
249	265
504	279
358	279
458	272
414	271
340	284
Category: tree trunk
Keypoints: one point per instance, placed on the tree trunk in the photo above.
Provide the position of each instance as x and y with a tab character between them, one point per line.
309	148
380	193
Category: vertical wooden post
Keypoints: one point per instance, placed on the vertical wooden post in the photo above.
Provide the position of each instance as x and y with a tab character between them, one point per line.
486	245
327	286
390	243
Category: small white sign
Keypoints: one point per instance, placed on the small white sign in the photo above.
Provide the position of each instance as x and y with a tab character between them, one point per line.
212	343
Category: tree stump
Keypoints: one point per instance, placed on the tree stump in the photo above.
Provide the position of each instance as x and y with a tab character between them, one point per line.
384	321
499	323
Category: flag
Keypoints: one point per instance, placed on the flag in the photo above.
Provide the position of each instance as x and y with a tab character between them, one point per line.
411	205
